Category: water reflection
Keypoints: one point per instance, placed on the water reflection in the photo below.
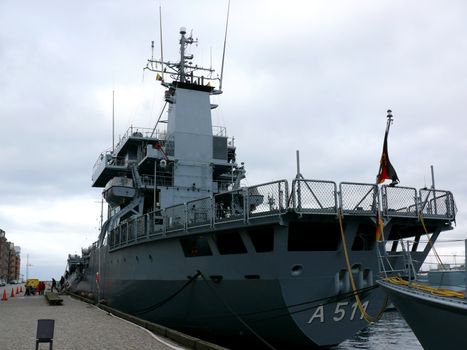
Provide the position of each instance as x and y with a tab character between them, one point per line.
389	333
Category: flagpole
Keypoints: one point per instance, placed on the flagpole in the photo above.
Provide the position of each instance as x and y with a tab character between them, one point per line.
386	170
384	162
390	120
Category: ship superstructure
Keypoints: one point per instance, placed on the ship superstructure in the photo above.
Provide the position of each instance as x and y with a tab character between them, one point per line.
187	246
187	159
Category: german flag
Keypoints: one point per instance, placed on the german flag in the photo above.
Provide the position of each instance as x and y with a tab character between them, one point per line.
386	170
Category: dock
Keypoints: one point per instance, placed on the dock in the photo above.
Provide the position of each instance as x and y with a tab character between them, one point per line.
80	326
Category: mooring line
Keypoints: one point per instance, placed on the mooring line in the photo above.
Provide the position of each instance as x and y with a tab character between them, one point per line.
237	316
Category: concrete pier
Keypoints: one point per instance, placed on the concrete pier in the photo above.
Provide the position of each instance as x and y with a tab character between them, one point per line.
78	325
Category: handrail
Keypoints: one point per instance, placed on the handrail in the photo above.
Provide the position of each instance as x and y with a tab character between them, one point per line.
349	194
440	205
273	199
319	196
160	135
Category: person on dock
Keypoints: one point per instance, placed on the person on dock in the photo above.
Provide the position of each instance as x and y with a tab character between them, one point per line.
54	285
41	287
62	283
28	290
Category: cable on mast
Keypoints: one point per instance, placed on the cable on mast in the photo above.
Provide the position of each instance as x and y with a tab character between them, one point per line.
162	48
225	42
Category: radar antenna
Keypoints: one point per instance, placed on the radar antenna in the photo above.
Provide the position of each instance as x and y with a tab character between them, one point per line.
184	71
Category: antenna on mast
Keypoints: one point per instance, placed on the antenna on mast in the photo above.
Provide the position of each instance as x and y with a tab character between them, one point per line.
113	120
225	42
160	33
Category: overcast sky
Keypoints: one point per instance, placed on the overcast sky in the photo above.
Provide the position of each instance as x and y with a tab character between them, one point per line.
317	76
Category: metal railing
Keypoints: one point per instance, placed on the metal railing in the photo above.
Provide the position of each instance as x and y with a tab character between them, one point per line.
273	199
267	199
200	212
314	196
399	201
175	218
162	180
437	203
358	198
398	263
106	157
229	206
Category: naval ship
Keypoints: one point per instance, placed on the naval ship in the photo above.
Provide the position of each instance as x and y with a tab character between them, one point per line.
279	265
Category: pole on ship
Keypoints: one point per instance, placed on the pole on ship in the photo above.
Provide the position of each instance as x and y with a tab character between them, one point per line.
155	185
433	188
225	43
102	214
162	46
432	177
298	165
465	292
298	177
113	120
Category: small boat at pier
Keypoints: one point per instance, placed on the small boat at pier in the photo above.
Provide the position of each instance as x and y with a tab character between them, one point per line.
435	307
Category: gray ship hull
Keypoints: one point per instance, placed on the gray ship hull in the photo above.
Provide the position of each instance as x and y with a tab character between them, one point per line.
278	276
438	322
277	308
293	299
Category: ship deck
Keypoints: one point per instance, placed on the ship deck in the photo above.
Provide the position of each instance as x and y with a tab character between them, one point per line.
271	202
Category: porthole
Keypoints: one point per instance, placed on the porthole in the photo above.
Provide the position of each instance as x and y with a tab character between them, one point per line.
296	270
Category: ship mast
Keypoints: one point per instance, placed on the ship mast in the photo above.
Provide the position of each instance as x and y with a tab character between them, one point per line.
183	71
183	43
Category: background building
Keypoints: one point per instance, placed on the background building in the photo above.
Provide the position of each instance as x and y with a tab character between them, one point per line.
4	256
15	261
10	259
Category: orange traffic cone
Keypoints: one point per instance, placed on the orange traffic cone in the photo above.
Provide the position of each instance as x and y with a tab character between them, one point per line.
12	293
21	289
17	290
4	298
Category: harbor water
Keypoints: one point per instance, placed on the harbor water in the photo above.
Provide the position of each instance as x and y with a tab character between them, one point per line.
389	333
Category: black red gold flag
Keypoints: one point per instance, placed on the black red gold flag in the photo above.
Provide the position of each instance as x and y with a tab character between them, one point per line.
386	170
